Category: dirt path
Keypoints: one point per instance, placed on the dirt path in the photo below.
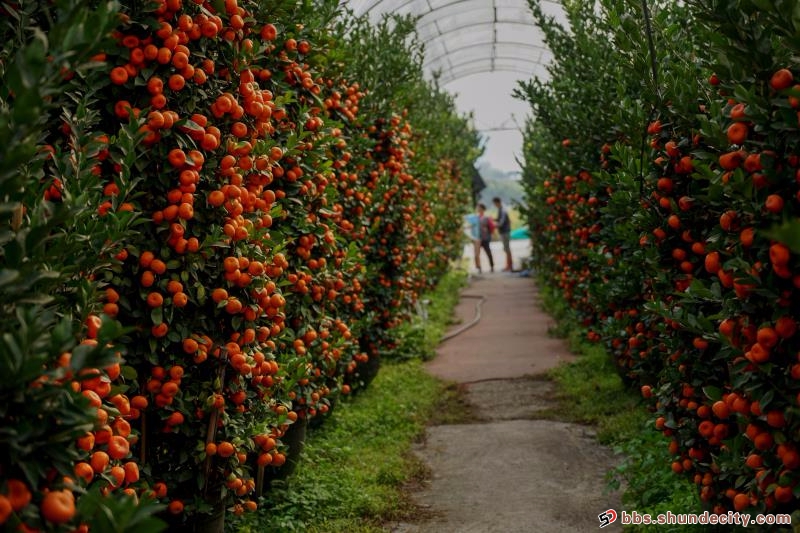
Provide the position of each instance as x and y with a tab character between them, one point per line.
509	471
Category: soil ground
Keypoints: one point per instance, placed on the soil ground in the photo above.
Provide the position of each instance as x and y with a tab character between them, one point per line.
509	470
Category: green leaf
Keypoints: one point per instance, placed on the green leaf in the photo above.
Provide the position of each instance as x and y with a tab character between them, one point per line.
13	253
8	276
787	233
156	315
712	393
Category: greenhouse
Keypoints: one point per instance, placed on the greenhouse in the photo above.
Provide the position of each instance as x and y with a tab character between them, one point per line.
399	265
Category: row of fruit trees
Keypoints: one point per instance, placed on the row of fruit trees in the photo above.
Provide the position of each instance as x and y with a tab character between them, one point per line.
214	214
663	178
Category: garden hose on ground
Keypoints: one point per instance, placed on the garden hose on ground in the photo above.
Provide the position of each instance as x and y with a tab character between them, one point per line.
472	322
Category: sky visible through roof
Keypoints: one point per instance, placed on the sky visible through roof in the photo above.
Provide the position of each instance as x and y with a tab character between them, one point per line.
481	49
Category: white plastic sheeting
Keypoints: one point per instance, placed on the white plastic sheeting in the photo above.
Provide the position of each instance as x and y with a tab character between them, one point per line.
466	37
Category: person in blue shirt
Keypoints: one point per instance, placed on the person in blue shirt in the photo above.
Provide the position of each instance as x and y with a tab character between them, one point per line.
481	228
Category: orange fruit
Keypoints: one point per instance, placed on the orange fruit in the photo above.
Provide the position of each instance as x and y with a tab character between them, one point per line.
176	82
269	32
706	428
99	461
731	160
727	327
175	419
154	299
158	266
791	460
176	372
160	489
700	343
58	506
117	473
139	402
147	279
758	353
121	427
739	111
774	203
86	443
763	441
747	236
164	55
175	507
776	419
674	221
779	254
767	337
119	75
754	461
170	388
741	502
720	410
737	133
219	294
784	494
781	79
180	60
225	449
131	472
712	262
180	299
190	346
5	509
233	306
160	330
176	157
118	447
785	327
727	219
19	495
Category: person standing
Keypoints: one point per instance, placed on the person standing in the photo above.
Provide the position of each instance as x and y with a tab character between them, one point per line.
473	229
480	231
486	225
504	229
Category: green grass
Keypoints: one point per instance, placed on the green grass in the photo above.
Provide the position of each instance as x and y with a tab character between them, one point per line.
352	470
419	337
591	391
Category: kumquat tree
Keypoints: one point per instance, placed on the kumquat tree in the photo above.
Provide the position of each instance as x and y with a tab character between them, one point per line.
663	190
215	213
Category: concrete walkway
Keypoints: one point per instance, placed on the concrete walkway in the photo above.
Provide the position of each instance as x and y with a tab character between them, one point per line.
510	341
509	471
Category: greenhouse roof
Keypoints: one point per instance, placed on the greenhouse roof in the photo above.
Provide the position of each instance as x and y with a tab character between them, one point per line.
465	37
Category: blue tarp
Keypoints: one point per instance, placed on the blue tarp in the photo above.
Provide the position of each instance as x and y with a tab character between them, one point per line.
520	233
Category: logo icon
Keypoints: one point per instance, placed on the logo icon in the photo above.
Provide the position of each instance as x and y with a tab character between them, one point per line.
607	517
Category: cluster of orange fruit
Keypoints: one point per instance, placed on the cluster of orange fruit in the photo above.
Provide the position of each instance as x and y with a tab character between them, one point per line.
710	332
